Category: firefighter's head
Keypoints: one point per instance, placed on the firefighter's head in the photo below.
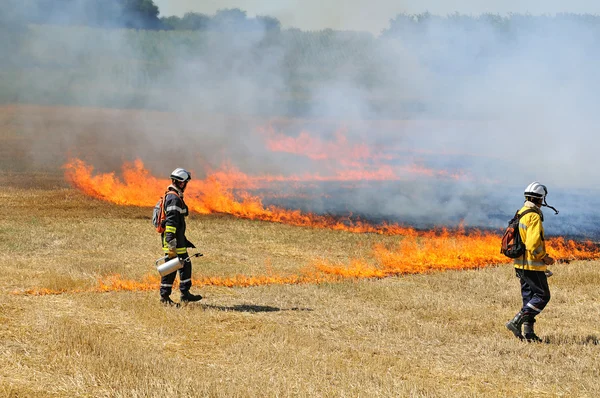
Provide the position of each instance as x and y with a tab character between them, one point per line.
536	193
180	178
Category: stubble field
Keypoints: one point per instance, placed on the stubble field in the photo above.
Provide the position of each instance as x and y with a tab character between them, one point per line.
436	334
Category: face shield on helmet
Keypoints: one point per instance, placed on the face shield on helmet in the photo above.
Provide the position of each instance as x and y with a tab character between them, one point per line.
537	192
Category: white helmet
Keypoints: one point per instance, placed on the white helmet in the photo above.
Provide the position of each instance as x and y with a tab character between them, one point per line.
181	175
536	190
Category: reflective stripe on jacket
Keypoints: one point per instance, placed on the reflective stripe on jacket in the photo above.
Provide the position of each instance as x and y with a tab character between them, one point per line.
175	213
532	234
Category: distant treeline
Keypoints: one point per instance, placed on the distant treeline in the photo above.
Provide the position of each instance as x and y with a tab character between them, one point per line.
144	14
120	53
228	19
133	14
136	14
430	24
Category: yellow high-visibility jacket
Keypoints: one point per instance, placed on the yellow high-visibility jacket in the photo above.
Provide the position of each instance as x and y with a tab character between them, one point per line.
532	234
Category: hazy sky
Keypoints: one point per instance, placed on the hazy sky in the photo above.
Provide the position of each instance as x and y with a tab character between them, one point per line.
371	15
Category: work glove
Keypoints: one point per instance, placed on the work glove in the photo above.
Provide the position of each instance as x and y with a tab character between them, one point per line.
190	244
172	244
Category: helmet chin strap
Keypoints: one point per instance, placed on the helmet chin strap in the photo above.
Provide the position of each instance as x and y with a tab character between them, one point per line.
547	205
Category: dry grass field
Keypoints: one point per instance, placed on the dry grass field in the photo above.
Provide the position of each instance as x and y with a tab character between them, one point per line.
428	335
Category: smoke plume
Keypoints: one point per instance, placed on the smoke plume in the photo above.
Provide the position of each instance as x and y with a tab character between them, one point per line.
461	112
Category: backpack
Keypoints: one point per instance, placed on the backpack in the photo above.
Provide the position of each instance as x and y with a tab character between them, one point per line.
158	214
512	244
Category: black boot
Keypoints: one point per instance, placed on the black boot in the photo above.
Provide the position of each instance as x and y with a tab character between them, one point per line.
187	297
514	325
530	335
166	300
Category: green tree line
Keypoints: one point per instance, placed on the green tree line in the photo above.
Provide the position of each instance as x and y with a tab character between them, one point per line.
46	60
144	14
136	14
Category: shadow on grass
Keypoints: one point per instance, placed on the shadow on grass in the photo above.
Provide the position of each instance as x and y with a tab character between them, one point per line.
251	308
564	339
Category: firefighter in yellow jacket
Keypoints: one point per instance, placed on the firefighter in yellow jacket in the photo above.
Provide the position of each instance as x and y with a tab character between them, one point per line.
532	267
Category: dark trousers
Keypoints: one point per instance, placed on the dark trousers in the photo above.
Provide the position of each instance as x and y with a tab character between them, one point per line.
534	291
185	277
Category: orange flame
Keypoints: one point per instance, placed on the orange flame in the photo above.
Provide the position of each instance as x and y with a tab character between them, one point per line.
313	147
316	148
358	161
215	195
415	252
211	195
441	251
412	255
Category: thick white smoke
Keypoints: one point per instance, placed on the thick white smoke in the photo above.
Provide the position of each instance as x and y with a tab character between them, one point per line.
504	104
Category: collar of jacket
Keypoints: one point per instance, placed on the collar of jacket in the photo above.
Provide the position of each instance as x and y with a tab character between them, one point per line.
174	188
533	206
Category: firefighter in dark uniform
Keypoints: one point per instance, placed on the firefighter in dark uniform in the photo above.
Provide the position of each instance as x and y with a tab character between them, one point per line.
532	267
174	241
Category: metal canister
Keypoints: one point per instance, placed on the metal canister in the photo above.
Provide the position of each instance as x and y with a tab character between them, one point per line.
169	266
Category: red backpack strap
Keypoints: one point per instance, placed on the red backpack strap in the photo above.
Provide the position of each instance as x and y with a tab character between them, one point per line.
173	192
169	192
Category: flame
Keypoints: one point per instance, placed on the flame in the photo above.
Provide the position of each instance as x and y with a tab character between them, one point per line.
315	148
214	194
431	252
414	252
140	187
352	161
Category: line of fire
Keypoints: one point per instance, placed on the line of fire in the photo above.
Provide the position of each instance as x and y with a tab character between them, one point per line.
228	190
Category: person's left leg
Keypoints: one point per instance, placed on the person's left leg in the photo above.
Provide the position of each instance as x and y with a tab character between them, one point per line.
538	283
185	280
